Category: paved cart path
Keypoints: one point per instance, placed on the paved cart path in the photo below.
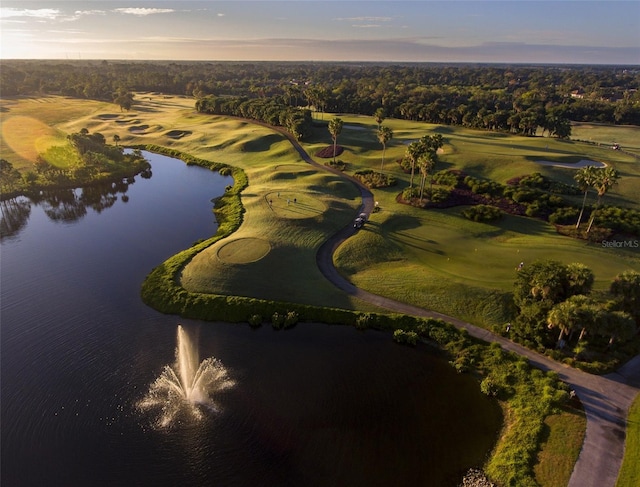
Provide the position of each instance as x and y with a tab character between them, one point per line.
606	399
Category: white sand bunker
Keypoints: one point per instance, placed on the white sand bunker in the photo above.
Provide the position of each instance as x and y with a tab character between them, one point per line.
575	165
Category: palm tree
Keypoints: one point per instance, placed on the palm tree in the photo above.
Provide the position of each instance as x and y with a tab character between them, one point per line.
385	134
585	177
335	127
414	152
116	139
605	179
379	117
427	163
563	316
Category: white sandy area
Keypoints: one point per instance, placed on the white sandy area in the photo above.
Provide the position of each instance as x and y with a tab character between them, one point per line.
576	165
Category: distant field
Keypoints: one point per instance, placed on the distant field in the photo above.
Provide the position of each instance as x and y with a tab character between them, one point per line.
436	259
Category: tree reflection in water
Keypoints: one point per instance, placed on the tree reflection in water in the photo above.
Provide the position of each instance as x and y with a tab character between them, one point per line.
63	205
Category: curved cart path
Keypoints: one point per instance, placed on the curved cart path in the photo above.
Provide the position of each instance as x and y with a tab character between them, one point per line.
606	399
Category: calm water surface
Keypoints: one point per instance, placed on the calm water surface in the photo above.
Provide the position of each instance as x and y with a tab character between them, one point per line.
312	406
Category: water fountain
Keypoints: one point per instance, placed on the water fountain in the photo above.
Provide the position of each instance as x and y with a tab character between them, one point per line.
187	388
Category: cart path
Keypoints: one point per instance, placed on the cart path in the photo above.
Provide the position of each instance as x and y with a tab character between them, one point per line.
606	399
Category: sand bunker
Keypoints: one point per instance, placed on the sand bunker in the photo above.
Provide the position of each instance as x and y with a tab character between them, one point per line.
178	134
244	250
138	129
575	165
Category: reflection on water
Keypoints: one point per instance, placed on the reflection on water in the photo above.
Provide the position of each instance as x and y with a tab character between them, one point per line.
186	389
63	205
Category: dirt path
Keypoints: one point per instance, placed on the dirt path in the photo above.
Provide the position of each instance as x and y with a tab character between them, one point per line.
606	399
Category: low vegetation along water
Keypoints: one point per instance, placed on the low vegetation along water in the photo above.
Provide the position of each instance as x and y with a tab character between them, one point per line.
316	405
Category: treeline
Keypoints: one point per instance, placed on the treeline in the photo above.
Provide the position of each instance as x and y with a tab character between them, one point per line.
498	97
86	159
268	110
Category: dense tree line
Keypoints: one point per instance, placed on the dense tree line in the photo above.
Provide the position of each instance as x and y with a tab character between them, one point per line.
500	97
269	110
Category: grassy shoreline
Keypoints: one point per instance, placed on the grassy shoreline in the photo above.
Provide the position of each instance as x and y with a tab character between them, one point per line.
629	475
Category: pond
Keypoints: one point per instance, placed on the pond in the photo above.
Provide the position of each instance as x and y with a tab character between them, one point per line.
315	405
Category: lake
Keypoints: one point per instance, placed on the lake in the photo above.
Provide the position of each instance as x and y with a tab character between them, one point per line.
316	405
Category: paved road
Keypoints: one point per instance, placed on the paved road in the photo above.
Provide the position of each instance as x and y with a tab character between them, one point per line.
606	399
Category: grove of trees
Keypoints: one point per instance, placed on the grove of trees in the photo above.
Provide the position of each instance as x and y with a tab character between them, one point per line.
514	98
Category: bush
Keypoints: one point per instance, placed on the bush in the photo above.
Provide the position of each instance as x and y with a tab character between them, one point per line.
290	319
564	216
405	337
277	320
372	179
482	213
255	321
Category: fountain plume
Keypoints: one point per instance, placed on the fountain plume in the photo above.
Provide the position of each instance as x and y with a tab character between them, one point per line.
188	387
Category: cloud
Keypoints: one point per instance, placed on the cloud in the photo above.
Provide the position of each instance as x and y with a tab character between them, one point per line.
40	13
141	12
220	15
365	19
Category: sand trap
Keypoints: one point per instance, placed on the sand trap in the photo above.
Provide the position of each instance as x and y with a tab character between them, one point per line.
575	165
178	134
138	129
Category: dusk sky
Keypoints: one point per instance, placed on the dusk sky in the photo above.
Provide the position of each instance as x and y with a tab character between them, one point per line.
516	31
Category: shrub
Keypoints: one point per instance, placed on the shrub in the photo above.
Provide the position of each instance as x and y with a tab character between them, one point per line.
255	321
277	320
482	213
564	216
363	321
438	195
405	337
290	319
373	179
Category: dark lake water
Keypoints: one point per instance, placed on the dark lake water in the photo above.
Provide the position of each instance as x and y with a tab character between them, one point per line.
313	406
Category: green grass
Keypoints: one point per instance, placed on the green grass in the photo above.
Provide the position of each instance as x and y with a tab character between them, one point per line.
563	435
630	472
627	136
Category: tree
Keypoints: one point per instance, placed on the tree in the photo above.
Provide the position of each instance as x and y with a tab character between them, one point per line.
617	325
427	163
579	279
605	179
413	153
335	127
625	289
585	177
379	117
385	134
116	139
563	316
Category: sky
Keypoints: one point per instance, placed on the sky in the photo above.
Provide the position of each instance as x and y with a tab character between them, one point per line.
484	31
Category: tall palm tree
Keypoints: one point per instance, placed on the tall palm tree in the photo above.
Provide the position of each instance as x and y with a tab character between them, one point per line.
385	134
585	177
605	179
116	139
379	117
414	151
335	127
427	163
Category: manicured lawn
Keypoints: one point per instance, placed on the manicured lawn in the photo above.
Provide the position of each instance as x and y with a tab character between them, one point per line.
630	472
563	437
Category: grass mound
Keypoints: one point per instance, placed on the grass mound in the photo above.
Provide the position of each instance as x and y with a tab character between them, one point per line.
244	250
